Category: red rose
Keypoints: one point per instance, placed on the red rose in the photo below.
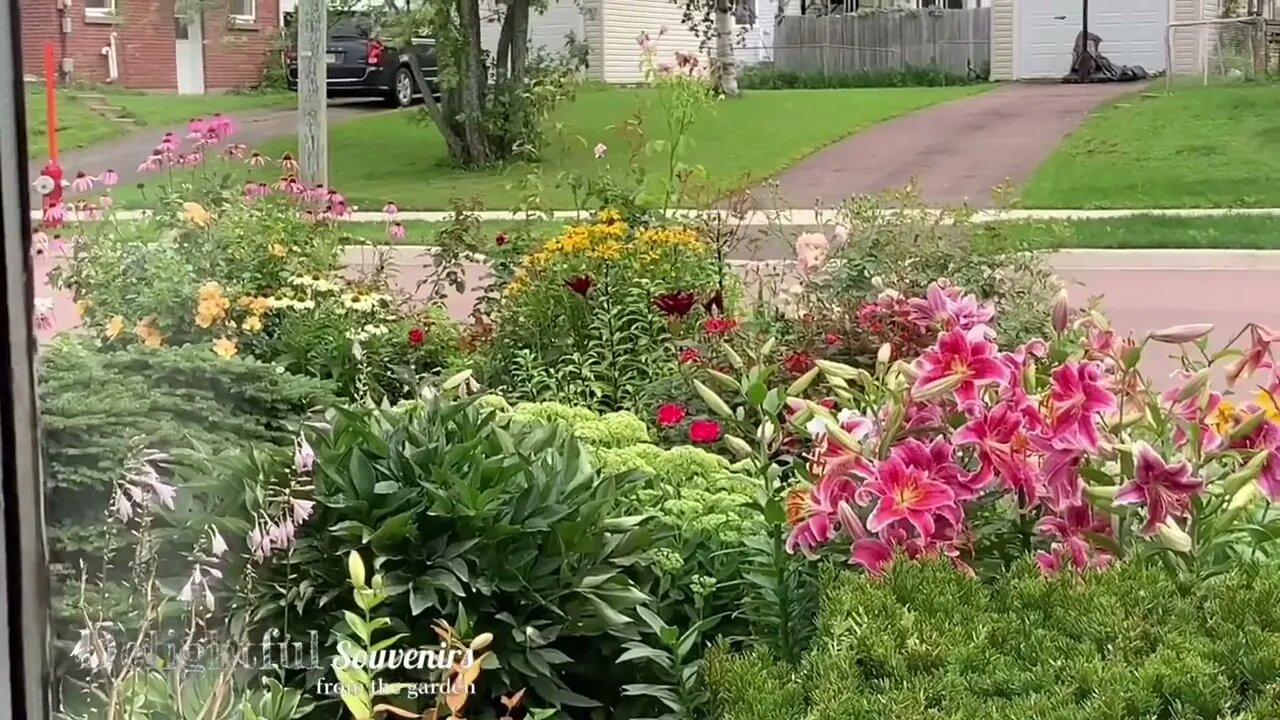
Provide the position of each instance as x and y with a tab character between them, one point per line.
833	339
718	326
797	363
671	414
704	432
580	284
417	336
689	356
501	239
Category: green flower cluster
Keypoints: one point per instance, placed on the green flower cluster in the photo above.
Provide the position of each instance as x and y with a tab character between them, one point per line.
612	430
691	489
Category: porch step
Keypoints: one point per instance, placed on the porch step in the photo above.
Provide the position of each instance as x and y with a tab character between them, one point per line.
124	120
106	108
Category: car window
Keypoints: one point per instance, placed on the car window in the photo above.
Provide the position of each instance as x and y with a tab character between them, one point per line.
350	26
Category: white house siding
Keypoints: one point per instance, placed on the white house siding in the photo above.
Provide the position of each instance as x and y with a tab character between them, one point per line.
547	30
593	36
1002	39
623	22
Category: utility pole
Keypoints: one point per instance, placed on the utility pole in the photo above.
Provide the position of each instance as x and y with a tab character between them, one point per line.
313	79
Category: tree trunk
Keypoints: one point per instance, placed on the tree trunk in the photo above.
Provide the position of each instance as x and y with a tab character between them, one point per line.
451	140
471	82
502	62
518	11
726	67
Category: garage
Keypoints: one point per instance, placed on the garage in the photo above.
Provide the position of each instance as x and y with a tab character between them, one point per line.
1132	33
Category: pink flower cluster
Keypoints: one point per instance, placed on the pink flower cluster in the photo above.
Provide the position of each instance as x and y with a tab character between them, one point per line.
268	536
977	420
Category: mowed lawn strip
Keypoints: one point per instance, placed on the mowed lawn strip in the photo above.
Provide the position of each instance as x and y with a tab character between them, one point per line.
1214	146
737	142
80	126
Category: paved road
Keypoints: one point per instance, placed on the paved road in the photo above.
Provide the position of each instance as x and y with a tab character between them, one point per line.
124	155
958	150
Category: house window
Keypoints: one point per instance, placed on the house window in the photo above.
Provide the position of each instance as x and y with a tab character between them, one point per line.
744	13
100	7
244	11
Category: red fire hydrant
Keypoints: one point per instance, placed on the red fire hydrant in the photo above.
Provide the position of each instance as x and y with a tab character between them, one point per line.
49	185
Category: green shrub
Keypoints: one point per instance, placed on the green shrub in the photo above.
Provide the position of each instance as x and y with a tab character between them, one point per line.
763	77
927	642
476	514
97	407
907	252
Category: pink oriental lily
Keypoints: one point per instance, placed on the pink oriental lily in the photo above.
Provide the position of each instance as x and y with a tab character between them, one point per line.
1077	395
945	308
1194	412
1003	439
820	514
1257	357
1266	438
905	493
1160	487
965	354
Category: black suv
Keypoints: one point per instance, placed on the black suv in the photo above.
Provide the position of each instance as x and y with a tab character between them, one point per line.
361	65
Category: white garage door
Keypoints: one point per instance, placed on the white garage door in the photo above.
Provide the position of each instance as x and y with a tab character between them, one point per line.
1132	33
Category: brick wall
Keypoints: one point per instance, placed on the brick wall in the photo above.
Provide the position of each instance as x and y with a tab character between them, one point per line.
234	56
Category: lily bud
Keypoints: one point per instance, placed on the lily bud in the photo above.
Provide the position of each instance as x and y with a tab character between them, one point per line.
1195	385
728	380
1178	334
456	380
884	355
355	568
713	401
1060	314
836	369
1247	427
765	432
481	641
1235	482
1241	500
738	445
1173	537
803	382
1102	492
938	388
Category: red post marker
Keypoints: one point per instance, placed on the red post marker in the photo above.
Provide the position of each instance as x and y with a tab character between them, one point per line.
51	99
49	184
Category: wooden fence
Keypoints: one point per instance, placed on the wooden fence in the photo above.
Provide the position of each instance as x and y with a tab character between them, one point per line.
953	40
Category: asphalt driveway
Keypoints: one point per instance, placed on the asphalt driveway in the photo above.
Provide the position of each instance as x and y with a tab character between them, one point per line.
957	151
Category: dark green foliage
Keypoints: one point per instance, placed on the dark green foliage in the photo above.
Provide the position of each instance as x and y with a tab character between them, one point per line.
927	642
96	407
763	77
484	521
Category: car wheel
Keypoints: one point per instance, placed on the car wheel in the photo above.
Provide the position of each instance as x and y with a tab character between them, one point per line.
402	88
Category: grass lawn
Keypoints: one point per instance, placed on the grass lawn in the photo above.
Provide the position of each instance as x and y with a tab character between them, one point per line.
80	126
1216	146
738	143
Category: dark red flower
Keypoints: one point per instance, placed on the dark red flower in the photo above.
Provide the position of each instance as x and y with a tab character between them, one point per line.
675	304
704	432
671	414
828	403
580	284
690	355
797	363
716	326
501	239
417	336
833	339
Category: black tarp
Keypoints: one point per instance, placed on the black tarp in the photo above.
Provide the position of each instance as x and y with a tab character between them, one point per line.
1088	65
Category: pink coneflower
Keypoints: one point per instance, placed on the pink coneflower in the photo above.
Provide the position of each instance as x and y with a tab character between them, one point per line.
390	210
153	162
55	214
39	242
109	178
168	144
196	128
236	150
82	183
194	158
396	231
106	201
88	211
221	126
288	164
257	159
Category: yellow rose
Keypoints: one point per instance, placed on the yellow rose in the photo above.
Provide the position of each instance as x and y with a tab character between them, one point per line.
148	334
225	347
253	323
278	250
195	214
115	326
